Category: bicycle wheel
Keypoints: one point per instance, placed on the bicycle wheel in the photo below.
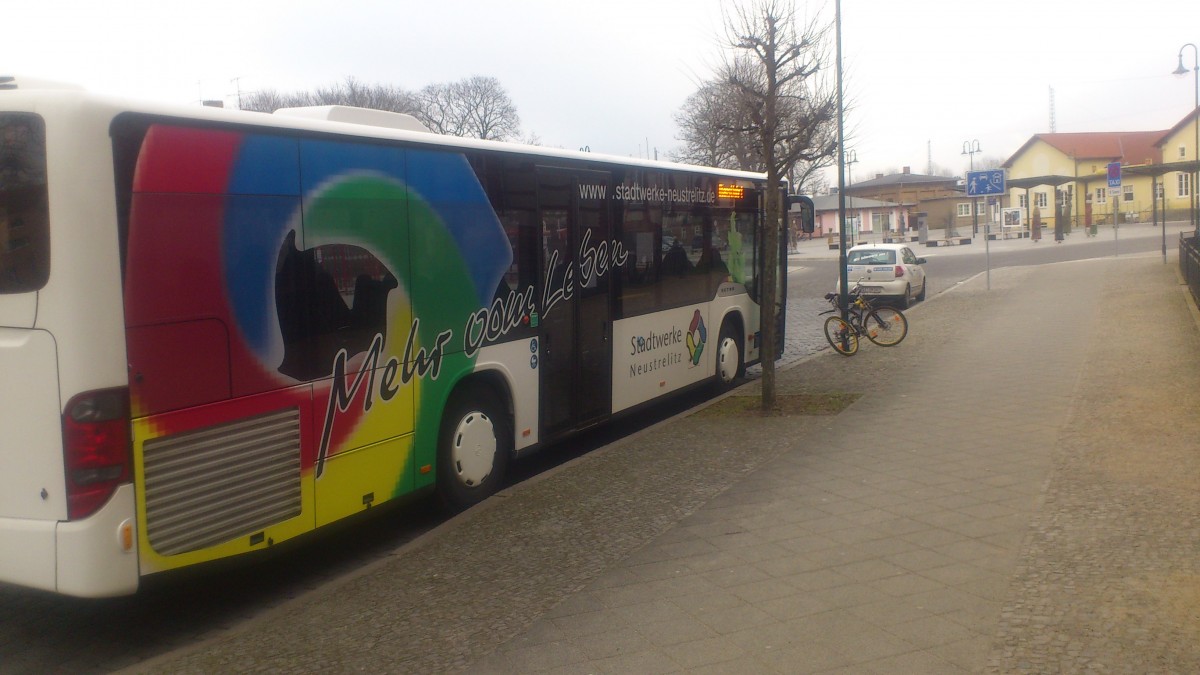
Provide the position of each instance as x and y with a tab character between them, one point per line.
841	336
885	326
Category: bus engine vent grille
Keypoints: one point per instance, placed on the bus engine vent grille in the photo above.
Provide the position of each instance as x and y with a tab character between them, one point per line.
214	484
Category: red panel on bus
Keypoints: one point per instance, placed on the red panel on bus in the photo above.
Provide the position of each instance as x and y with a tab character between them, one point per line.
179	159
178	365
173	271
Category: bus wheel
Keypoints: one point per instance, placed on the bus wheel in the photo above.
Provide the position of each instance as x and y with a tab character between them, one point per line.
730	363
473	448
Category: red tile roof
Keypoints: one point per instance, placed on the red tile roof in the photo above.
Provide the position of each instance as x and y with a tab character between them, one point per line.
1130	147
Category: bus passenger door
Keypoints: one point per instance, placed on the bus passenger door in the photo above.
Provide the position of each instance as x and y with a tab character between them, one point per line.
576	298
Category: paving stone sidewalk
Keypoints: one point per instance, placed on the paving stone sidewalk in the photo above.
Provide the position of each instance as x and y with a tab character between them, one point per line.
990	503
917	532
1109	575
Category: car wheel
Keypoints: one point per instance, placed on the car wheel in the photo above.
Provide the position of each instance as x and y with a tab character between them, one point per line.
905	299
924	285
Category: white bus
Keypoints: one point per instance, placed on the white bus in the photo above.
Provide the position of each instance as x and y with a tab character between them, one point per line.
220	329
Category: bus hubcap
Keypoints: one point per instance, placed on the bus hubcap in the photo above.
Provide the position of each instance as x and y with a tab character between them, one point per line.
728	357
474	448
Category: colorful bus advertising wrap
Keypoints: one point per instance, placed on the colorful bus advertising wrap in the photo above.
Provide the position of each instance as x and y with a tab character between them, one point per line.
330	282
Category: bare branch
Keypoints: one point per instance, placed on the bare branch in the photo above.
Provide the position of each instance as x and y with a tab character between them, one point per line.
348	92
477	107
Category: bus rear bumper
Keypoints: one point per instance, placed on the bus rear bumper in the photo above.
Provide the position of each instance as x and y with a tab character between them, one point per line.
87	558
27	552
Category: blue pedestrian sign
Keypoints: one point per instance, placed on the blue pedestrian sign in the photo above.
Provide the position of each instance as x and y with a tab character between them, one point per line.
1114	176
985	183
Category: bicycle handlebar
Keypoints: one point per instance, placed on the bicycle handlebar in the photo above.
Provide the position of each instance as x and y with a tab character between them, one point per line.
855	293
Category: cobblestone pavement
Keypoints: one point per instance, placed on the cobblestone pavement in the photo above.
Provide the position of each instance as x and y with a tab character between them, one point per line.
1015	491
1109	579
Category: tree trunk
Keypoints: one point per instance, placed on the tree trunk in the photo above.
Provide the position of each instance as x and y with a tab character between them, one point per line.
769	295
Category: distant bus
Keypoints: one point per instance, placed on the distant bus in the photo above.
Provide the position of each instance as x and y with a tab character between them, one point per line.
220	330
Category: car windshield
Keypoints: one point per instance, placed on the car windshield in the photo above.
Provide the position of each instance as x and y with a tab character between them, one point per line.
873	257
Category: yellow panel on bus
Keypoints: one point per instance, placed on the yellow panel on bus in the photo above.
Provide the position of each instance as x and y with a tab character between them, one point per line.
354	481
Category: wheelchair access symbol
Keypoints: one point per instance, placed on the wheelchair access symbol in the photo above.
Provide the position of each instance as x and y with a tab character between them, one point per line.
985	183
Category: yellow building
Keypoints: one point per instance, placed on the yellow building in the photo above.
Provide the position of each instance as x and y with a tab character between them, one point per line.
1064	176
1178	147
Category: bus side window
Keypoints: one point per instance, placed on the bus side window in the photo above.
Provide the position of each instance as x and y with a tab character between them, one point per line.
511	188
684	261
522	236
24	204
640	276
329	298
745	227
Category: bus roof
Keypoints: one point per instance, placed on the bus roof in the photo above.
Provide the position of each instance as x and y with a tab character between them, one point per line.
342	120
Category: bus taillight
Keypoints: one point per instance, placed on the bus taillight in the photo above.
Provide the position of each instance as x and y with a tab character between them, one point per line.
96	443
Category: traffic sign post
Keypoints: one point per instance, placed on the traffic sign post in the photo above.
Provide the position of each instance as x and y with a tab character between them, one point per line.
1114	189
986	183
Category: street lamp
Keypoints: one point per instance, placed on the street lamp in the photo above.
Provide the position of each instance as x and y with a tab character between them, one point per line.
970	148
1195	132
844	282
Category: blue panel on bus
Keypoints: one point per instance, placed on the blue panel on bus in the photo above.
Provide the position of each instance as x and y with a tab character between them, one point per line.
266	165
253	230
322	161
264	189
448	184
443	180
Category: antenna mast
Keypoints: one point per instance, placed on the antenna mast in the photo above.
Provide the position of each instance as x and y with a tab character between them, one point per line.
1053	126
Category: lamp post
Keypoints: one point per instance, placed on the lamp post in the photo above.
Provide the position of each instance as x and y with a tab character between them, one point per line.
970	148
1195	132
844	294
851	158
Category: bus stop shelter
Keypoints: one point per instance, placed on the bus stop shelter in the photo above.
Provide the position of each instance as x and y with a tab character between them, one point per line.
1026	184
1155	172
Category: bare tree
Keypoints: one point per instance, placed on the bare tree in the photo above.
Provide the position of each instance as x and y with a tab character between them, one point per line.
808	178
439	110
718	128
775	69
988	162
936	169
476	107
351	92
700	128
711	124
348	92
265	100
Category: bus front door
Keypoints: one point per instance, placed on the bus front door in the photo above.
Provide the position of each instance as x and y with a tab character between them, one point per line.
576	299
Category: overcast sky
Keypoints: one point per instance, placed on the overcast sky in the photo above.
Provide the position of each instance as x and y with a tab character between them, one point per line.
922	76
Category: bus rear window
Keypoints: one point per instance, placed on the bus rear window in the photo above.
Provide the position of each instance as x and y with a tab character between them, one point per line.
24	204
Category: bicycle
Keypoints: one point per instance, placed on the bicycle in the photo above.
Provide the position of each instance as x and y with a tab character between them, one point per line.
885	326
